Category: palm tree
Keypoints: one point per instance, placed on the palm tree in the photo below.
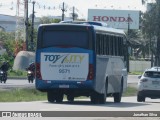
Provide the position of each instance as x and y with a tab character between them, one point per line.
151	27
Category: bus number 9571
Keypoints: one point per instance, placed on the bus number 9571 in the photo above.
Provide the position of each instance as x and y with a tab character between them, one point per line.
64	71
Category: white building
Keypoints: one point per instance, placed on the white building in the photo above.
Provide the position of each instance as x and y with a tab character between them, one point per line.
8	23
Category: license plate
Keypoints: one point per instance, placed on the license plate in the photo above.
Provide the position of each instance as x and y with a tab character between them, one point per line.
155	82
63	86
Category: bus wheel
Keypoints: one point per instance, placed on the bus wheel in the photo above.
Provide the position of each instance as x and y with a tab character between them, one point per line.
94	98
102	97
59	97
70	98
117	96
51	96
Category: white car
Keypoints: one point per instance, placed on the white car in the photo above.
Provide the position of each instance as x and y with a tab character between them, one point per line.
149	85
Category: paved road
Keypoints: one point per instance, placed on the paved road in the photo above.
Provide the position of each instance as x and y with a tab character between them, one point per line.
11	83
127	104
62	110
14	83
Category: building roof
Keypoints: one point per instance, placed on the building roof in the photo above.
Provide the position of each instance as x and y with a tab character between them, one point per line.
7	17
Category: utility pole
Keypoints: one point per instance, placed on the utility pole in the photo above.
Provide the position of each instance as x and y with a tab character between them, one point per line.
63	8
73	15
63	12
32	33
26	23
158	34
128	42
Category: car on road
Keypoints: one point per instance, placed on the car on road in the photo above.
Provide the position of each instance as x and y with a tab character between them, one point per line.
149	84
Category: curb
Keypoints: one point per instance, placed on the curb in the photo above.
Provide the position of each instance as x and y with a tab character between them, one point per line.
14	77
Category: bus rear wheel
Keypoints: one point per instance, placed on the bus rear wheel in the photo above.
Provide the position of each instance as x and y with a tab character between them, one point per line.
94	98
102	97
118	96
51	96
59	97
99	98
70	98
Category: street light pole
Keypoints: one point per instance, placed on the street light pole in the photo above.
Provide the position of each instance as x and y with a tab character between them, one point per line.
128	43
158	34
73	15
63	12
26	23
63	8
32	32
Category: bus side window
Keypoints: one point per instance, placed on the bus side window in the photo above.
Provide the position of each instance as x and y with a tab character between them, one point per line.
115	45
101	44
110	45
119	46
103	50
98	44
122	46
105	45
112	51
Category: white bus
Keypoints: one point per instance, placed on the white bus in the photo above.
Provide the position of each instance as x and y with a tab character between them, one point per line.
81	60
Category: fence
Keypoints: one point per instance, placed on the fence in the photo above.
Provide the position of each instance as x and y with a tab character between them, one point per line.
139	66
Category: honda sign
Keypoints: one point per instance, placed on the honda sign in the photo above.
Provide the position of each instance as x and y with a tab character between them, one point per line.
116	18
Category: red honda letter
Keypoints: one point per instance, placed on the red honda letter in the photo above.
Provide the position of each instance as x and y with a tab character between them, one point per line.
105	18
96	18
121	19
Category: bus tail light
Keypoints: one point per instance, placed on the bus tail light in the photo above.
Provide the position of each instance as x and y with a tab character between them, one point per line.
91	72
38	72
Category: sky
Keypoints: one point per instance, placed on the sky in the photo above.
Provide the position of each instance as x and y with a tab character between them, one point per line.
53	7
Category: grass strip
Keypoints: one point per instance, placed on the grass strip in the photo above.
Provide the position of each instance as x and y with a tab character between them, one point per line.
19	94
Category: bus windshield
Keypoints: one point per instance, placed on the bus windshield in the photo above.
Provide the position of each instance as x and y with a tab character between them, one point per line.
65	38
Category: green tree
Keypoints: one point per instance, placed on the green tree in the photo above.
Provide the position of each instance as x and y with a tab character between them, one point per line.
6	35
151	27
8	40
138	43
56	20
46	20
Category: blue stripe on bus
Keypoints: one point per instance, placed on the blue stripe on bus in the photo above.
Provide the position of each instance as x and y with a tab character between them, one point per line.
42	84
